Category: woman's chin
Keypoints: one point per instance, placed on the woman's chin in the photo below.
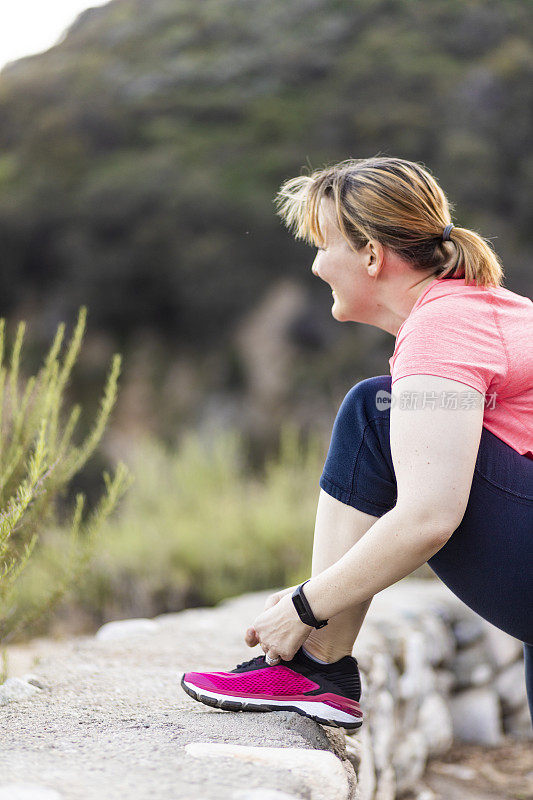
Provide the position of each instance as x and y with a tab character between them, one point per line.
336	309
336	312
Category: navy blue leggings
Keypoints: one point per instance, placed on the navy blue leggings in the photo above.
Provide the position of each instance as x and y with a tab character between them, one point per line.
487	562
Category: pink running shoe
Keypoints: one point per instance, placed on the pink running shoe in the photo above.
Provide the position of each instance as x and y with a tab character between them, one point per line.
327	693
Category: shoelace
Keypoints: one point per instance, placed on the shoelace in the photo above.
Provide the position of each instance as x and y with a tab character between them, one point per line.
252	662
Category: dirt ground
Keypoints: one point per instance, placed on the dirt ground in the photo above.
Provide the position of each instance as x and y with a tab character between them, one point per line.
472	772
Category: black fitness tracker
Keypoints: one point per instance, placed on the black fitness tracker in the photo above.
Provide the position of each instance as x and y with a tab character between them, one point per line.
304	609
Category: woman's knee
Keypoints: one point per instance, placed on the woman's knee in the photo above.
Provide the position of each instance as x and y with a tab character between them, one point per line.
358	468
370	396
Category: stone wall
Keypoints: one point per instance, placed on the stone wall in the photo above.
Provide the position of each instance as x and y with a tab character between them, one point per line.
432	672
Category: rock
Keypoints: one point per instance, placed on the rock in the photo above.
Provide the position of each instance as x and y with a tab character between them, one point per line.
383	671
386	789
354	746
476	716
440	642
263	794
35	680
417	678
383	729
481	674
369	642
409	760
444	681
460	771
125	629
16	689
511	687
321	771
501	648
467	631
470	665
435	722
518	724
27	791
425	793
366	775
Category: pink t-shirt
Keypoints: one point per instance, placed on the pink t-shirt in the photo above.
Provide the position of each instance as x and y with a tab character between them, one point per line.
482	337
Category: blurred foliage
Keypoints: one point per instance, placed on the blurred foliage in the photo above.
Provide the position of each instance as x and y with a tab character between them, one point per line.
140	156
139	159
199	527
37	462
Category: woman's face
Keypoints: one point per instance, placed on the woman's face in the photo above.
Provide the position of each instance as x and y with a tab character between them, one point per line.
349	273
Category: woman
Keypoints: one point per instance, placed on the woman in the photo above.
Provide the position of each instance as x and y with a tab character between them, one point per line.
433	464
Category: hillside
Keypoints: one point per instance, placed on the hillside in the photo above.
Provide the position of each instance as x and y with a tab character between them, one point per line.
139	158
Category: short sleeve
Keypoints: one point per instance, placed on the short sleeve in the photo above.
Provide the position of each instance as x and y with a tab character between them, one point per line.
452	339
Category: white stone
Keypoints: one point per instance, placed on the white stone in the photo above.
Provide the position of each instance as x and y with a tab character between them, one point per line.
382	668
444	681
16	689
481	674
369	642
460	771
425	793
501	648
435	721
366	775
263	794
511	686
417	678
440	642
321	770
386	789
409	760
467	662
476	716
27	791
403	597
125	629
383	729
468	631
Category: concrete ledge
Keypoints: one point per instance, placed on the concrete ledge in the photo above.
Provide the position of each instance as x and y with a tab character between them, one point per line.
104	716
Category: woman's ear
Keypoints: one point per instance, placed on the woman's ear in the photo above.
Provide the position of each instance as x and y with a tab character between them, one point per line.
375	258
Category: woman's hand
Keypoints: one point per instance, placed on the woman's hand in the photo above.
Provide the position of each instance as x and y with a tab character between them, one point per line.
251	637
279	630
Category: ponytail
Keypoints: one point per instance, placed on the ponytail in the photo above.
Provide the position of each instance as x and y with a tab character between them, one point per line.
398	203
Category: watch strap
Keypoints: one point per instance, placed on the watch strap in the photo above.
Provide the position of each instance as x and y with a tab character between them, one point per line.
303	608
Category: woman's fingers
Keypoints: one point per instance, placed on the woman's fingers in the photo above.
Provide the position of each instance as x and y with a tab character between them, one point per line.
251	638
271	600
274	598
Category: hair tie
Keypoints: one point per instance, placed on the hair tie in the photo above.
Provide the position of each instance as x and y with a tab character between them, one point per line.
446	232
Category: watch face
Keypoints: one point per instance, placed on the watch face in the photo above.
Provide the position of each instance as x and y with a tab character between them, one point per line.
300	608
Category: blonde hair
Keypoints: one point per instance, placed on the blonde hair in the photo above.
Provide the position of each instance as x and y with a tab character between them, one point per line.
399	204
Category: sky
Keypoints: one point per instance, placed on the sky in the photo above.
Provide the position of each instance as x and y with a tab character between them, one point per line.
31	26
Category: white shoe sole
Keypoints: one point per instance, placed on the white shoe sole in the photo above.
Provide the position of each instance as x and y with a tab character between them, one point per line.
320	712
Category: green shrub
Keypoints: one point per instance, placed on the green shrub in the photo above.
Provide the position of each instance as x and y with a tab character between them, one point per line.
199	527
37	462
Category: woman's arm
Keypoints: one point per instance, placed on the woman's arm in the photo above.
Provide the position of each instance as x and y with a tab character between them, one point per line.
434	448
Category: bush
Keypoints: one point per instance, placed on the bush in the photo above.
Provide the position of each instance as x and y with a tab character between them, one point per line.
37	462
199	527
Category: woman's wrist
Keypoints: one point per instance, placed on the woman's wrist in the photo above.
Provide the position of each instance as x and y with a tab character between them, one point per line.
315	597
304	610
